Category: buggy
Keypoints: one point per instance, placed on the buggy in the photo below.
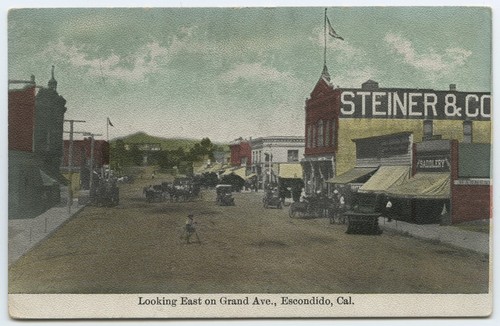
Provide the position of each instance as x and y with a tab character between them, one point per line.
272	199
224	196
363	217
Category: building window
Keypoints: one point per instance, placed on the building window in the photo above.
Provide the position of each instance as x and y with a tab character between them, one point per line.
334	140
320	134
328	141
293	155
309	136
428	129
314	137
467	131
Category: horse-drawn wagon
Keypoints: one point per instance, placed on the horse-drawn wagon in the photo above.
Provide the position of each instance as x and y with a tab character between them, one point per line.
224	195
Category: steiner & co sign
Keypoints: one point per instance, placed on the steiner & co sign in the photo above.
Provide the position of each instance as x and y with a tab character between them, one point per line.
415	104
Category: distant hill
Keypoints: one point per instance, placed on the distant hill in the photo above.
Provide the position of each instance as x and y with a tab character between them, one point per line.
166	143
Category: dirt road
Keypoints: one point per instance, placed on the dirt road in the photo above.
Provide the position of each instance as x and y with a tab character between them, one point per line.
135	248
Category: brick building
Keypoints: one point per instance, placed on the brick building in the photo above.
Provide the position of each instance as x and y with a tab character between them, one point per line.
241	152
35	145
81	160
335	116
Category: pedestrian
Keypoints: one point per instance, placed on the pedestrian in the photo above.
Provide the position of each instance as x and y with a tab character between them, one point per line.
190	229
388	213
303	195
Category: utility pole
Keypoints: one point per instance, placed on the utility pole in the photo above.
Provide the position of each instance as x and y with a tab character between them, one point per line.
70	162
91	156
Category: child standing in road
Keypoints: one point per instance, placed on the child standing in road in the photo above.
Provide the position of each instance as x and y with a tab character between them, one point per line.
190	229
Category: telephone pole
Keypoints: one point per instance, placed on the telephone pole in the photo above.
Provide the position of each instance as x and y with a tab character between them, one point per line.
70	162
91	157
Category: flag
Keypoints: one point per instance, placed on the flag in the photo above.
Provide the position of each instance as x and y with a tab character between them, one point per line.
332	32
109	123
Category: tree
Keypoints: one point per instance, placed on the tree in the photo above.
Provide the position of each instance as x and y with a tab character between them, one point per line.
118	156
136	155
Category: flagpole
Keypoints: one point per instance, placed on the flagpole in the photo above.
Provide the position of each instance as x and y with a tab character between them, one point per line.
324	53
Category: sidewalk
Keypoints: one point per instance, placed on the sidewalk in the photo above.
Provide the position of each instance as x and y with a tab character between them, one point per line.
452	235
24	234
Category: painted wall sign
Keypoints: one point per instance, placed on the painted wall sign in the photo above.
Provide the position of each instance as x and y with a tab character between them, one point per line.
415	104
433	164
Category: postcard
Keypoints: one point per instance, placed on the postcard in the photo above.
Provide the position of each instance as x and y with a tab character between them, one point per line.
253	162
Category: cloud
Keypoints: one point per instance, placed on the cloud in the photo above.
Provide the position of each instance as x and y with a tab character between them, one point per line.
353	65
255	72
132	68
430	62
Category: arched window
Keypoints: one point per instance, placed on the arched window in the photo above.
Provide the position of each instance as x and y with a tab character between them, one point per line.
309	136
328	141
314	136
334	140
320	134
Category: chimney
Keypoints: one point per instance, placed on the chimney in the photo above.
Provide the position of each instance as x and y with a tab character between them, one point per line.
453	87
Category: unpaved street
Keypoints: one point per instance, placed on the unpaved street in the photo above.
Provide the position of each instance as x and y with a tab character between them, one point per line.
135	248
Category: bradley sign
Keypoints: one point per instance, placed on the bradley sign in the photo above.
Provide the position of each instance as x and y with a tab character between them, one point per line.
414	104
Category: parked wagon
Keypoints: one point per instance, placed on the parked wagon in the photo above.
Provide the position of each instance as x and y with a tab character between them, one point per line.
310	207
104	193
272	199
364	215
224	195
154	193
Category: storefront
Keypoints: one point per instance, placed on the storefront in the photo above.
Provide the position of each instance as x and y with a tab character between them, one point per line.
425	196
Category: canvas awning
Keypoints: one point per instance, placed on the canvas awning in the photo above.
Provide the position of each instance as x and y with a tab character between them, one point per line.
214	168
47	180
386	177
251	175
352	175
424	185
290	171
241	172
52	178
227	172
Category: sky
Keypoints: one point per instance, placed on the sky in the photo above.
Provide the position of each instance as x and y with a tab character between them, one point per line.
223	73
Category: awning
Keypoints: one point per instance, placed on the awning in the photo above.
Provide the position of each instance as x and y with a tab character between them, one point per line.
251	175
241	172
290	171
227	172
352	175
424	185
214	168
52	177
386	177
